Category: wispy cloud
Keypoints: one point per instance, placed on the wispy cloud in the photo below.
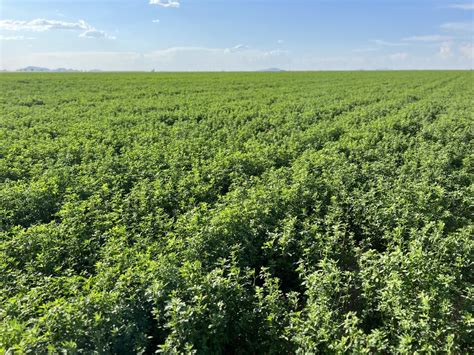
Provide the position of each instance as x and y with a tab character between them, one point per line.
466	6
15	38
165	3
381	42
93	33
462	27
41	25
238	47
155	21
428	38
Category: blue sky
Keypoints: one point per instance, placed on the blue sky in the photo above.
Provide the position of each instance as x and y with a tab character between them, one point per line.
188	35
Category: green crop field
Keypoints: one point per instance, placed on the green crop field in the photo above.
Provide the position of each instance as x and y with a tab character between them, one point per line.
237	213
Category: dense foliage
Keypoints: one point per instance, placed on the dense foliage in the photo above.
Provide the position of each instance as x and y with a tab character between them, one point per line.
237	213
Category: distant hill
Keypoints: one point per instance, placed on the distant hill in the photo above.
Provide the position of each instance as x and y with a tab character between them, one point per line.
42	70
35	69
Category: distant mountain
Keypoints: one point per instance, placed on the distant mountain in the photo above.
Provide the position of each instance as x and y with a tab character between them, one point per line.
271	70
35	69
43	70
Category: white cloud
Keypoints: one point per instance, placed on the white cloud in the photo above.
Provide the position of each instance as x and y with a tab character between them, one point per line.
429	38
155	21
386	43
467	6
14	38
445	51
41	25
462	27
238	47
165	3
93	33
467	51
280	41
